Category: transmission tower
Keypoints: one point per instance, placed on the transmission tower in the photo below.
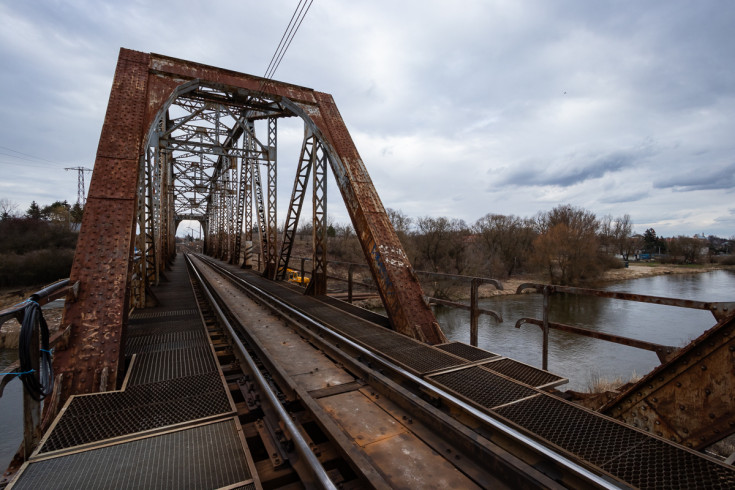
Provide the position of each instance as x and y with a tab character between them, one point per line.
81	198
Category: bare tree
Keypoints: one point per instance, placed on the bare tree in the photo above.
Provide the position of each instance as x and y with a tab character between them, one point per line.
623	236
508	241
8	209
567	246
687	249
440	243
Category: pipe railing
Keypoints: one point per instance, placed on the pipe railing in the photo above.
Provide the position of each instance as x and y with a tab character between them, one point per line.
719	310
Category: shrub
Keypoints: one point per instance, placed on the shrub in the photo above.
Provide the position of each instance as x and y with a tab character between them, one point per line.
36	267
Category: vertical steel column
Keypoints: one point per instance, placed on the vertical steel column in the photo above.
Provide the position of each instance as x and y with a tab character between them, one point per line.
297	200
150	239
545	352
318	283
139	263
248	186
240	205
260	208
272	225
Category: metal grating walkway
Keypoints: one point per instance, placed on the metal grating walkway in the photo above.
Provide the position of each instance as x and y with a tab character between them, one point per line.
171	425
207	456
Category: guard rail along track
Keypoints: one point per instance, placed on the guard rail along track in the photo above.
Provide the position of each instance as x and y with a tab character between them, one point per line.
501	428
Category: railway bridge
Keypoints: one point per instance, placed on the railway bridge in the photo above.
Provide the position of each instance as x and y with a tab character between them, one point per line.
176	369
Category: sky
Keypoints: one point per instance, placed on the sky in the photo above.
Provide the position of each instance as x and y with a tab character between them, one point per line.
458	109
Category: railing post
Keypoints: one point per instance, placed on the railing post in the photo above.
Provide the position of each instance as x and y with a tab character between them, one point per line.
303	259
349	283
31	406
545	351
474	313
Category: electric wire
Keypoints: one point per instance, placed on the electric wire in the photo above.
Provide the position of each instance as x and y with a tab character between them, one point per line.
302	8
291	38
39	383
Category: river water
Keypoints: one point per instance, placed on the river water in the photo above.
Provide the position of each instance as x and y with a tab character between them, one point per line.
11	414
581	359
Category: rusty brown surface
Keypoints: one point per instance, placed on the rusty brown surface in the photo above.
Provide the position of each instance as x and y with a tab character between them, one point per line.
102	258
690	399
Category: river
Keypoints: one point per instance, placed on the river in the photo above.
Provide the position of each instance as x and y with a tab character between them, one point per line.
584	360
581	359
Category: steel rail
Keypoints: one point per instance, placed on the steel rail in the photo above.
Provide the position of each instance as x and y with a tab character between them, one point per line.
300	444
280	306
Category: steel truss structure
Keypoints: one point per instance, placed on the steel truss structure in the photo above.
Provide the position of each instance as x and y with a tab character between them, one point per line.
179	143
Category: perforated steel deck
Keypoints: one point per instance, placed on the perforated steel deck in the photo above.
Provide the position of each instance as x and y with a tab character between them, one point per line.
629	454
91	418
467	351
207	456
524	373
482	386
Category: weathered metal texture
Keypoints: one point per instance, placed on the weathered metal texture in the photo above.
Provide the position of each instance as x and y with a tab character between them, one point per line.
102	262
397	283
690	399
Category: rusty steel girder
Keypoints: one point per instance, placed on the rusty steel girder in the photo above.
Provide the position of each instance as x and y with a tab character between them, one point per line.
691	398
103	262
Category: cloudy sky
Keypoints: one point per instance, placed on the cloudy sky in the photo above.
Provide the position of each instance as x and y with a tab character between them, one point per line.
458	108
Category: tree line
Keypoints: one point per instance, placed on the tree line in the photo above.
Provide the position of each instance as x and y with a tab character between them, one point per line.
566	245
37	247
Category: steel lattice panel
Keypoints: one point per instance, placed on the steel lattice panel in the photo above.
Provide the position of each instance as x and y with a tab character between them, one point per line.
158	366
103	416
656	464
146	315
207	456
424	359
626	453
167	326
483	387
466	351
524	373
169	341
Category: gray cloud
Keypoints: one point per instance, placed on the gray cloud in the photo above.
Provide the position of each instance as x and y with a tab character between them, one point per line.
699	179
625	197
561	93
570	171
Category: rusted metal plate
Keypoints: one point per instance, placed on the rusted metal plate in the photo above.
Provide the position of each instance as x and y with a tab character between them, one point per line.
412	465
102	258
691	398
362	419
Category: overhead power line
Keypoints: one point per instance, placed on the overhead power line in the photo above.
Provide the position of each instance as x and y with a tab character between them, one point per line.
293	26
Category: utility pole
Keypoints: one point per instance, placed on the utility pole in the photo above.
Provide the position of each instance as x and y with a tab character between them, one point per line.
81	198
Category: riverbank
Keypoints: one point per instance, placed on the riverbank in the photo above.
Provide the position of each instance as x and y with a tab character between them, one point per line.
634	271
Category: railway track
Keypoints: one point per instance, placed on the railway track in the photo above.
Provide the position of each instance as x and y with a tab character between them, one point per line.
379	422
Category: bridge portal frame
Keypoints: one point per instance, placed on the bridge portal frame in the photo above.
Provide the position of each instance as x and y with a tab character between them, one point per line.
104	259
